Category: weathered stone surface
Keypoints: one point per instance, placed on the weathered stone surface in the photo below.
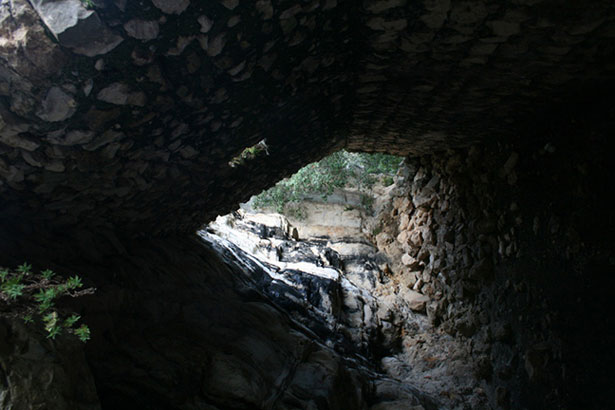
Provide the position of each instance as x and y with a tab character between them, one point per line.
375	80
73	137
172	6
76	27
230	342
121	94
19	141
415	300
142	29
57	106
25	48
206	23
39	372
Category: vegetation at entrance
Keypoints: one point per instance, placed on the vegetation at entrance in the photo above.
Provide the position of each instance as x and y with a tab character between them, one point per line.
249	154
341	169
32	297
89	4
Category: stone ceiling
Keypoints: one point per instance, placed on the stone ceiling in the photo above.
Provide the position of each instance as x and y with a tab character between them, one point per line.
127	114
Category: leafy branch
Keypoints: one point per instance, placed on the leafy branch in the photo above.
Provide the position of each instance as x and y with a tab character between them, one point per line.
32	296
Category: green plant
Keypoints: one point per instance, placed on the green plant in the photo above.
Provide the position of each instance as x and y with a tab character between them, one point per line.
24	268
338	170
13	287
47	274
3	275
89	4
249	153
377	230
295	210
367	201
83	333
33	296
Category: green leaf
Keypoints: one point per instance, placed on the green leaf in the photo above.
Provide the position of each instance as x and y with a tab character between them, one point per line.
14	291
47	274
46	295
24	268
50	317
12	287
53	331
52	326
89	4
45	305
83	333
71	320
74	282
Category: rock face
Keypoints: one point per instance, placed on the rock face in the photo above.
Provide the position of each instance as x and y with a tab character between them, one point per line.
342	289
202	82
76	27
207	336
41	373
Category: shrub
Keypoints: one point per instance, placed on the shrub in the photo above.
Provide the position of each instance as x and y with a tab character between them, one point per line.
32	297
388	181
89	4
249	154
341	169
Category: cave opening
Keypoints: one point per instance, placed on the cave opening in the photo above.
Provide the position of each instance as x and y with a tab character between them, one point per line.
327	245
124	126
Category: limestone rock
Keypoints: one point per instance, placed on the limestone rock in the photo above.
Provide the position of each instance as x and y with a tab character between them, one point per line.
172	6
206	23
409	261
73	137
142	29
415	300
57	106
264	8
76	27
121	94
17	140
230	4
39	372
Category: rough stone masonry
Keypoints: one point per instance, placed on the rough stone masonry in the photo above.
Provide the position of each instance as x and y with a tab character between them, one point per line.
127	113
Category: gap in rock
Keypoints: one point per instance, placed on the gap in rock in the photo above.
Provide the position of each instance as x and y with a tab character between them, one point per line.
314	245
313	235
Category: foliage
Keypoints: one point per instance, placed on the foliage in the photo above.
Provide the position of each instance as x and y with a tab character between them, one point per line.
249	153
341	169
89	4
33	296
387	181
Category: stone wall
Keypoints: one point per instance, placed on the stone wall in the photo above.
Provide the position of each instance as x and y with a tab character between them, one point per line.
507	244
128	114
